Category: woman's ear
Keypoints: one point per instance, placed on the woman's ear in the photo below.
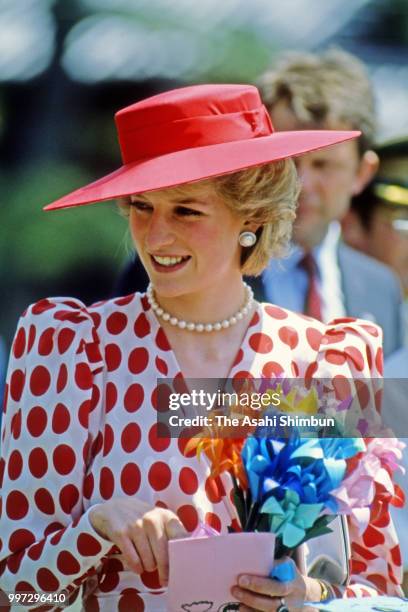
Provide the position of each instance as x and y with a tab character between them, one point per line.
366	171
250	226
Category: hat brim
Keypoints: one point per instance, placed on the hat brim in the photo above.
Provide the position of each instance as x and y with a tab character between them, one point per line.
200	163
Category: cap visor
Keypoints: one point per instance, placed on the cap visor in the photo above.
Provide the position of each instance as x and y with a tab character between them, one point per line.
200	163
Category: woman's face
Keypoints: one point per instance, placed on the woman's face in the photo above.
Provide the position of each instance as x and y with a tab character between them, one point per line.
186	238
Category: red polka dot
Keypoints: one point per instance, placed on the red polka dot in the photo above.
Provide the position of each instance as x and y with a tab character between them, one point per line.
161	365
275	312
97	444
109	582
31	338
88	545
289	336
130	600
113	357
16	505
47	581
62	378
314	337
61	419
295	369
16	425
83	376
130	479
335	357
342	388
355	355
272	369
21	538
213	520
396	555
52	528
67	564
38	462
188	516
123	301
372	537
134	397
379	360
92	604
19	343
46	341
151	579
371	329
188	481
17	380
111	396
83	413
40	380
24	587
142	326
14	562
310	371
65	338
108	439
161	397
35	551
261	343
157	442
107	483
68	497
159	476
182	443
88	486
238	358
130	437
379	581
64	459
363	393
41	306
116	323
138	360
36	421
161	341
44	501
15	465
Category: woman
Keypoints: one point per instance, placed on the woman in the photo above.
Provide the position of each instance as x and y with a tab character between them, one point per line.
93	499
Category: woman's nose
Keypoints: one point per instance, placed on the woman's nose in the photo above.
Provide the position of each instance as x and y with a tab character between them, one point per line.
159	232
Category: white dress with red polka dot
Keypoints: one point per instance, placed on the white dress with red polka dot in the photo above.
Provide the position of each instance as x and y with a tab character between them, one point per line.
79	428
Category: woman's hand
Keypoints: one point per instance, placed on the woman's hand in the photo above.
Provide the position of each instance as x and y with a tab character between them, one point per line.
140	532
267	594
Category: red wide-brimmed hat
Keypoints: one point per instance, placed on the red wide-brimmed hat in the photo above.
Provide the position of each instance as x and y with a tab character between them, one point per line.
193	133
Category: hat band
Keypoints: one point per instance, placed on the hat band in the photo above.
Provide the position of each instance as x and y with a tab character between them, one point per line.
163	138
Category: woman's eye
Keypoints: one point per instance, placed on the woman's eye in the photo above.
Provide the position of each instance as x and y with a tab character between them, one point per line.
139	205
188	212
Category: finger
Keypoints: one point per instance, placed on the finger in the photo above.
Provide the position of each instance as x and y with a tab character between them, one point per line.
264	586
257	602
130	554
175	529
142	544
155	531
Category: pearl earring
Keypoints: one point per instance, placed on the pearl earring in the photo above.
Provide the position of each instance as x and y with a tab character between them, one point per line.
247	239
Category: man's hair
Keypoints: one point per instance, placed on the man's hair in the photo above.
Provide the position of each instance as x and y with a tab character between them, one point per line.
324	90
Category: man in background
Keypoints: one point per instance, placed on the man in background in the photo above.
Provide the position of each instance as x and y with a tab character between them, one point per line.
322	276
377	223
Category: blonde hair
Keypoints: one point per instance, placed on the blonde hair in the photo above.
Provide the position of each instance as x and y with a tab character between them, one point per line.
266	196
327	90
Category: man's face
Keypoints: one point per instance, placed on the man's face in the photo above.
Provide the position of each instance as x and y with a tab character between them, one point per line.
328	180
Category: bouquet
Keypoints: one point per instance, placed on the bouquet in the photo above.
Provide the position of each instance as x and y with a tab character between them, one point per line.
293	485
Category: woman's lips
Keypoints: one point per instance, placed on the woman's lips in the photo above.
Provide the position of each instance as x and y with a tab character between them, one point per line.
169	268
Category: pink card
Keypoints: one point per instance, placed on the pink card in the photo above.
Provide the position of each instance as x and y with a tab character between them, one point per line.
203	570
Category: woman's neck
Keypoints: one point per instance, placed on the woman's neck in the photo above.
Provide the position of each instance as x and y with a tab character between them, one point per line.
208	305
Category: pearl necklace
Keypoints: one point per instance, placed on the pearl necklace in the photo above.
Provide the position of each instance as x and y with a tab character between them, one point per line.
201	327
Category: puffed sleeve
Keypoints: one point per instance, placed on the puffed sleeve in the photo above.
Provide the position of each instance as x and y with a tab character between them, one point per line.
51	417
351	357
